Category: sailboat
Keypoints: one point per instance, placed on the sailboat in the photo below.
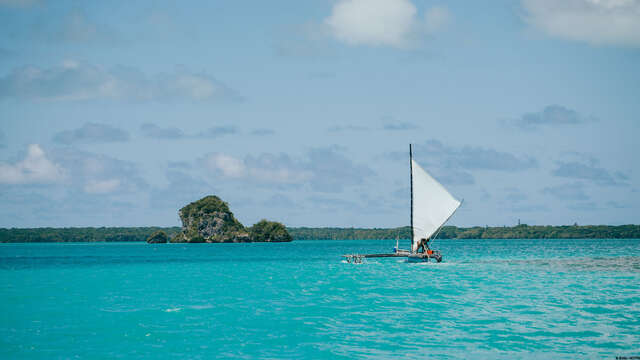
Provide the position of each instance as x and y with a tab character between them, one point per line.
431	207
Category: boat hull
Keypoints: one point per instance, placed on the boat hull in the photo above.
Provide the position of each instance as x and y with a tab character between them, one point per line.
413	258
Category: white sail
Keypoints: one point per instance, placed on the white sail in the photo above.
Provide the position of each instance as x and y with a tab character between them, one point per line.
432	205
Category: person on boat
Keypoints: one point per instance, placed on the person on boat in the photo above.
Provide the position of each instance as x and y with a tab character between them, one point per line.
424	246
427	249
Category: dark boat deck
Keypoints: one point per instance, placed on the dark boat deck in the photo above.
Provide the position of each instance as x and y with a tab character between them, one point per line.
357	258
367	256
377	255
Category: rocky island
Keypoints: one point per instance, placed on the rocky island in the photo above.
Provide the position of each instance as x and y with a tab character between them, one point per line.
158	237
210	220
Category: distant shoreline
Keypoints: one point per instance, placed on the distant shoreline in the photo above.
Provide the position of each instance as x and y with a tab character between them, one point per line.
124	234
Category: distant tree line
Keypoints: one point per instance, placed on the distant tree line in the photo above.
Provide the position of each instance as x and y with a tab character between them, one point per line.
452	232
331	233
86	234
523	231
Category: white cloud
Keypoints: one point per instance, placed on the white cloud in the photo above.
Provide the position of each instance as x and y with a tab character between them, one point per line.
278	169
372	22
324	169
606	22
99	174
382	22
36	168
228	165
70	171
83	81
101	186
265	168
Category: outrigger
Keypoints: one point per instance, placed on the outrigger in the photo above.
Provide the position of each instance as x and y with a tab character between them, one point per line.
431	207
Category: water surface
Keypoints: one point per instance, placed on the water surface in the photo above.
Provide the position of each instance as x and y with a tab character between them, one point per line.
488	299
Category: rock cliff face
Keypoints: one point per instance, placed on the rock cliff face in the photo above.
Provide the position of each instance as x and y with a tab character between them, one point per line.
210	220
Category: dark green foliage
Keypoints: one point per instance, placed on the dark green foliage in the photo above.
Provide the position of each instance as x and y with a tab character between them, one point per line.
448	232
209	206
306	233
189	235
196	239
269	231
158	237
87	234
451	232
524	231
209	220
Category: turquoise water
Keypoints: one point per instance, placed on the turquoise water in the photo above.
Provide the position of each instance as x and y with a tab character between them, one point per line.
488	299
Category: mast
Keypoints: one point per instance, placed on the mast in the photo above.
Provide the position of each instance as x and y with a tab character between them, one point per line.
411	186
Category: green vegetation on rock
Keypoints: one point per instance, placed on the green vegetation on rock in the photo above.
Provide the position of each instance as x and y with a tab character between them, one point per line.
210	220
269	231
158	237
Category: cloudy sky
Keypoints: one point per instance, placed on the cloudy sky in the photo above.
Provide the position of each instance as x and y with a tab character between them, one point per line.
119	113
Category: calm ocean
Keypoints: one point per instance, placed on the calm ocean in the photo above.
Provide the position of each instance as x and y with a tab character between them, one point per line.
502	299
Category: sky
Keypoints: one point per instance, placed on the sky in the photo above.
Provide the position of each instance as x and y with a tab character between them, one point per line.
119	113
